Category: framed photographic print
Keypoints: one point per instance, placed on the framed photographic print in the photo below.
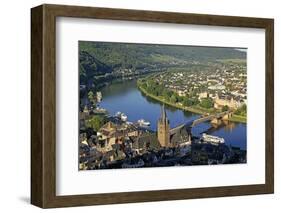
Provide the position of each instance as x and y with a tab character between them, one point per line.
136	106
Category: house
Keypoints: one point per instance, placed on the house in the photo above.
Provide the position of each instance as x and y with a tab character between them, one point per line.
226	101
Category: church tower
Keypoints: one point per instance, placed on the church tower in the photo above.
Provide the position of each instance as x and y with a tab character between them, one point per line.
163	127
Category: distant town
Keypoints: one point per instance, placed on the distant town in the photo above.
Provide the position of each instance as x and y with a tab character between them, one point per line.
216	90
208	88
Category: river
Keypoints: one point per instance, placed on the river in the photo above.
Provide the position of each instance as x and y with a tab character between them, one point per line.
125	97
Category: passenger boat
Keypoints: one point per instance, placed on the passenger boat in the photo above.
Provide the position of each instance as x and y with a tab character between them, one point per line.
142	122
99	96
121	115
124	117
212	139
100	110
118	114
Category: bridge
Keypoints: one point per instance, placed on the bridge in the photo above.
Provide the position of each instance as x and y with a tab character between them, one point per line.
214	118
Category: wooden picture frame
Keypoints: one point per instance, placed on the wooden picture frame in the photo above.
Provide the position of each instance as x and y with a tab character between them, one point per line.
43	105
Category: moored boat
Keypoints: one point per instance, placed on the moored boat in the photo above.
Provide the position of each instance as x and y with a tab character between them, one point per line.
99	96
142	122
99	110
118	114
123	117
212	139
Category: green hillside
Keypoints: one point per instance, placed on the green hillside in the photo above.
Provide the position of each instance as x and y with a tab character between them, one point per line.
99	58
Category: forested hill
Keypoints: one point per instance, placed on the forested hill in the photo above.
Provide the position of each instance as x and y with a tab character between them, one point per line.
139	55
105	57
90	66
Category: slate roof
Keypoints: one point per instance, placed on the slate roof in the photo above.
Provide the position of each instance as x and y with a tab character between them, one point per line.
179	135
143	140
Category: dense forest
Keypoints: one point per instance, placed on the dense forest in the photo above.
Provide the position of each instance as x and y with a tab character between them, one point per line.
101	58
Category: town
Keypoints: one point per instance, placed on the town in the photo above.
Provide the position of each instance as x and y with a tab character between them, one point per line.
210	82
112	141
201	89
122	144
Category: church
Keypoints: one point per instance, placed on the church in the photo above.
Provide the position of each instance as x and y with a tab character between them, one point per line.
167	137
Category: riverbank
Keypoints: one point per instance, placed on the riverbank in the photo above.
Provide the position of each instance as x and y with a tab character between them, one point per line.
178	106
237	118
196	110
121	78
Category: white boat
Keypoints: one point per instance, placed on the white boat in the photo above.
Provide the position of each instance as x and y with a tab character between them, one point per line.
212	139
142	122
124	117
99	96
118	114
121	115
100	110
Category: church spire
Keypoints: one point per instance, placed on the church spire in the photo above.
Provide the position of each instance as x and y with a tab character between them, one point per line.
163	113
163	128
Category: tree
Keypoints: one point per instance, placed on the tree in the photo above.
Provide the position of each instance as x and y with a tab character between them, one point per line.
206	103
187	102
174	98
91	96
180	98
190	101
225	108
96	122
143	85
167	94
242	111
